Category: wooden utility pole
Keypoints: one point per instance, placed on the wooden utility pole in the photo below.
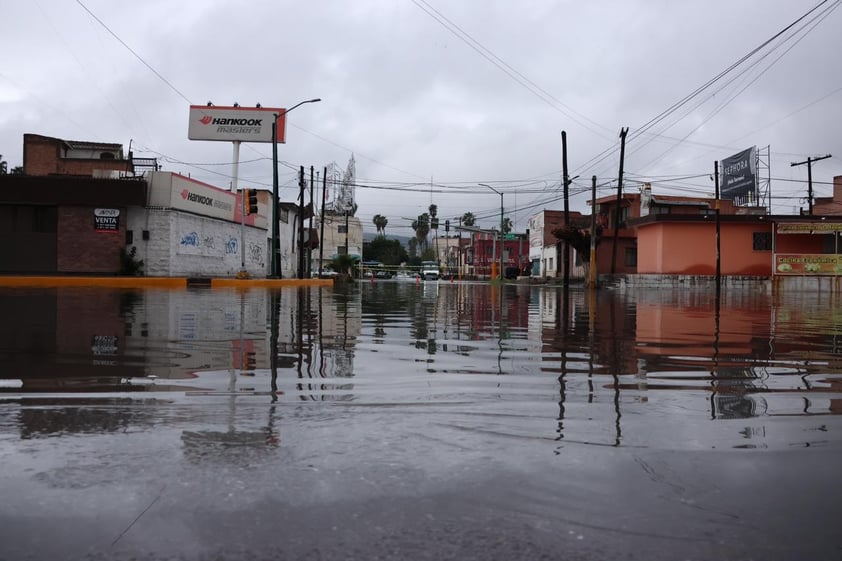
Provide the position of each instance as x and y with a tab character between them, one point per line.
809	162
623	132
592	268
566	181
301	223
718	228
309	267
322	223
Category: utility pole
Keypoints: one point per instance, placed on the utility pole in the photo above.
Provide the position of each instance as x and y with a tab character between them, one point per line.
592	268
309	269
322	223
718	228
809	162
623	132
301	223
566	181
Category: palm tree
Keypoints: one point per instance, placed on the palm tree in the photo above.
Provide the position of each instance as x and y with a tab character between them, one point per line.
421	225
434	224
380	223
468	219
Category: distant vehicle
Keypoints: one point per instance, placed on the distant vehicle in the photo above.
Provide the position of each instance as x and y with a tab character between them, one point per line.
430	270
382	274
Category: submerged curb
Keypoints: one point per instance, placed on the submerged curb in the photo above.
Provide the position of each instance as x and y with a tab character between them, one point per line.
156	282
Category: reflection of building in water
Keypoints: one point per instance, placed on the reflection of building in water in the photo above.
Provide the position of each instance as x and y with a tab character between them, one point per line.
180	332
64	333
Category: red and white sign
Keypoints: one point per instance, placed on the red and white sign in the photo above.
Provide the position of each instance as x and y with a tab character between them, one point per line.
243	124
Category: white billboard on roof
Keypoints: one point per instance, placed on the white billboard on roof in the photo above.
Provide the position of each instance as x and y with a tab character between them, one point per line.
243	124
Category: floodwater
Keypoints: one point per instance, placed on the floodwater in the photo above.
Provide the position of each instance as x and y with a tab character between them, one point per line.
403	420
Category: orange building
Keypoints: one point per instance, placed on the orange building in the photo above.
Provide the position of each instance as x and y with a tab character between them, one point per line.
671	235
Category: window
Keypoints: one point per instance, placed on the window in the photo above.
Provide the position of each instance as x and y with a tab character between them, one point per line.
761	241
631	257
707	212
342	249
342	229
284	215
659	210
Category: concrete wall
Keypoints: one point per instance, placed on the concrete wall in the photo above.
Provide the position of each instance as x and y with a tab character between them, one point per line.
183	244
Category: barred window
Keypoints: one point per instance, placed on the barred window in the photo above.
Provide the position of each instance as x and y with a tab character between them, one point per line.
761	241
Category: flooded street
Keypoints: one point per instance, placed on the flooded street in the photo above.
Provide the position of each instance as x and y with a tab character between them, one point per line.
396	420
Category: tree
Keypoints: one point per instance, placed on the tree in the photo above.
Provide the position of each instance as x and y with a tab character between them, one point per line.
429	254
4	166
380	223
434	224
507	225
577	238
468	219
421	225
388	252
413	248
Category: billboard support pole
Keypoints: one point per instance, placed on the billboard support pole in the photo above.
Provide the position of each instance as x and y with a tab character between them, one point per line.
235	168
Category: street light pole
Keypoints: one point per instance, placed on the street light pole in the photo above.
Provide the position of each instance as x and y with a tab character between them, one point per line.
500	235
276	234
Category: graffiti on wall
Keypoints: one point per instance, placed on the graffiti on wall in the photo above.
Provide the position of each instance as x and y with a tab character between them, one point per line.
255	254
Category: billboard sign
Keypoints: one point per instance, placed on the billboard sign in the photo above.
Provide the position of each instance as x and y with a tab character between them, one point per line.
229	124
739	175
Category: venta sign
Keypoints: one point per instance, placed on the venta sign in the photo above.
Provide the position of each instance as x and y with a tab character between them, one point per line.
107	220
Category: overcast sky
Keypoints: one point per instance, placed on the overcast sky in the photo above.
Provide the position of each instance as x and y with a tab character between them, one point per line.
435	97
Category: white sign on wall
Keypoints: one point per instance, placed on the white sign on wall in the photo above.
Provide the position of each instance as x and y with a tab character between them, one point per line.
193	196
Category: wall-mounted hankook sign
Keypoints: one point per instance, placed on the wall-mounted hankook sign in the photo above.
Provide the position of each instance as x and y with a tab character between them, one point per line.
235	124
107	219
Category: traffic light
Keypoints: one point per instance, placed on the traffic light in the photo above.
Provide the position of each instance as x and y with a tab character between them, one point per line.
446	226
251	201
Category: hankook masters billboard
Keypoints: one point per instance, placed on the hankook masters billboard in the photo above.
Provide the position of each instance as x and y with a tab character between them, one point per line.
245	124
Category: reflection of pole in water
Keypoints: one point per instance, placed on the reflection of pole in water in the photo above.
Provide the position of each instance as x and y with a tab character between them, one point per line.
715	365
562	394
500	333
616	363
274	326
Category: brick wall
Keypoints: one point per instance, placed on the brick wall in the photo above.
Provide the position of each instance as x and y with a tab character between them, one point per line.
81	249
42	156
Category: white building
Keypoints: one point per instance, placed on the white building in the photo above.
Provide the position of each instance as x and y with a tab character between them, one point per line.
189	228
342	234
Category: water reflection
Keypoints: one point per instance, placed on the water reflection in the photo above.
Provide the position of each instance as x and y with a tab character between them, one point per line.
620	368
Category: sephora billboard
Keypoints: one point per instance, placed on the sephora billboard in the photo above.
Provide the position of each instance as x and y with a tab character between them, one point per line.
739	175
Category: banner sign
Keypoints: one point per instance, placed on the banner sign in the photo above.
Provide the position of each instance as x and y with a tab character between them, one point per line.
739	175
106	219
808	264
242	124
809	228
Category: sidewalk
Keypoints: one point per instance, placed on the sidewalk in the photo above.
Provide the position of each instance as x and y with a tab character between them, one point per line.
155	282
